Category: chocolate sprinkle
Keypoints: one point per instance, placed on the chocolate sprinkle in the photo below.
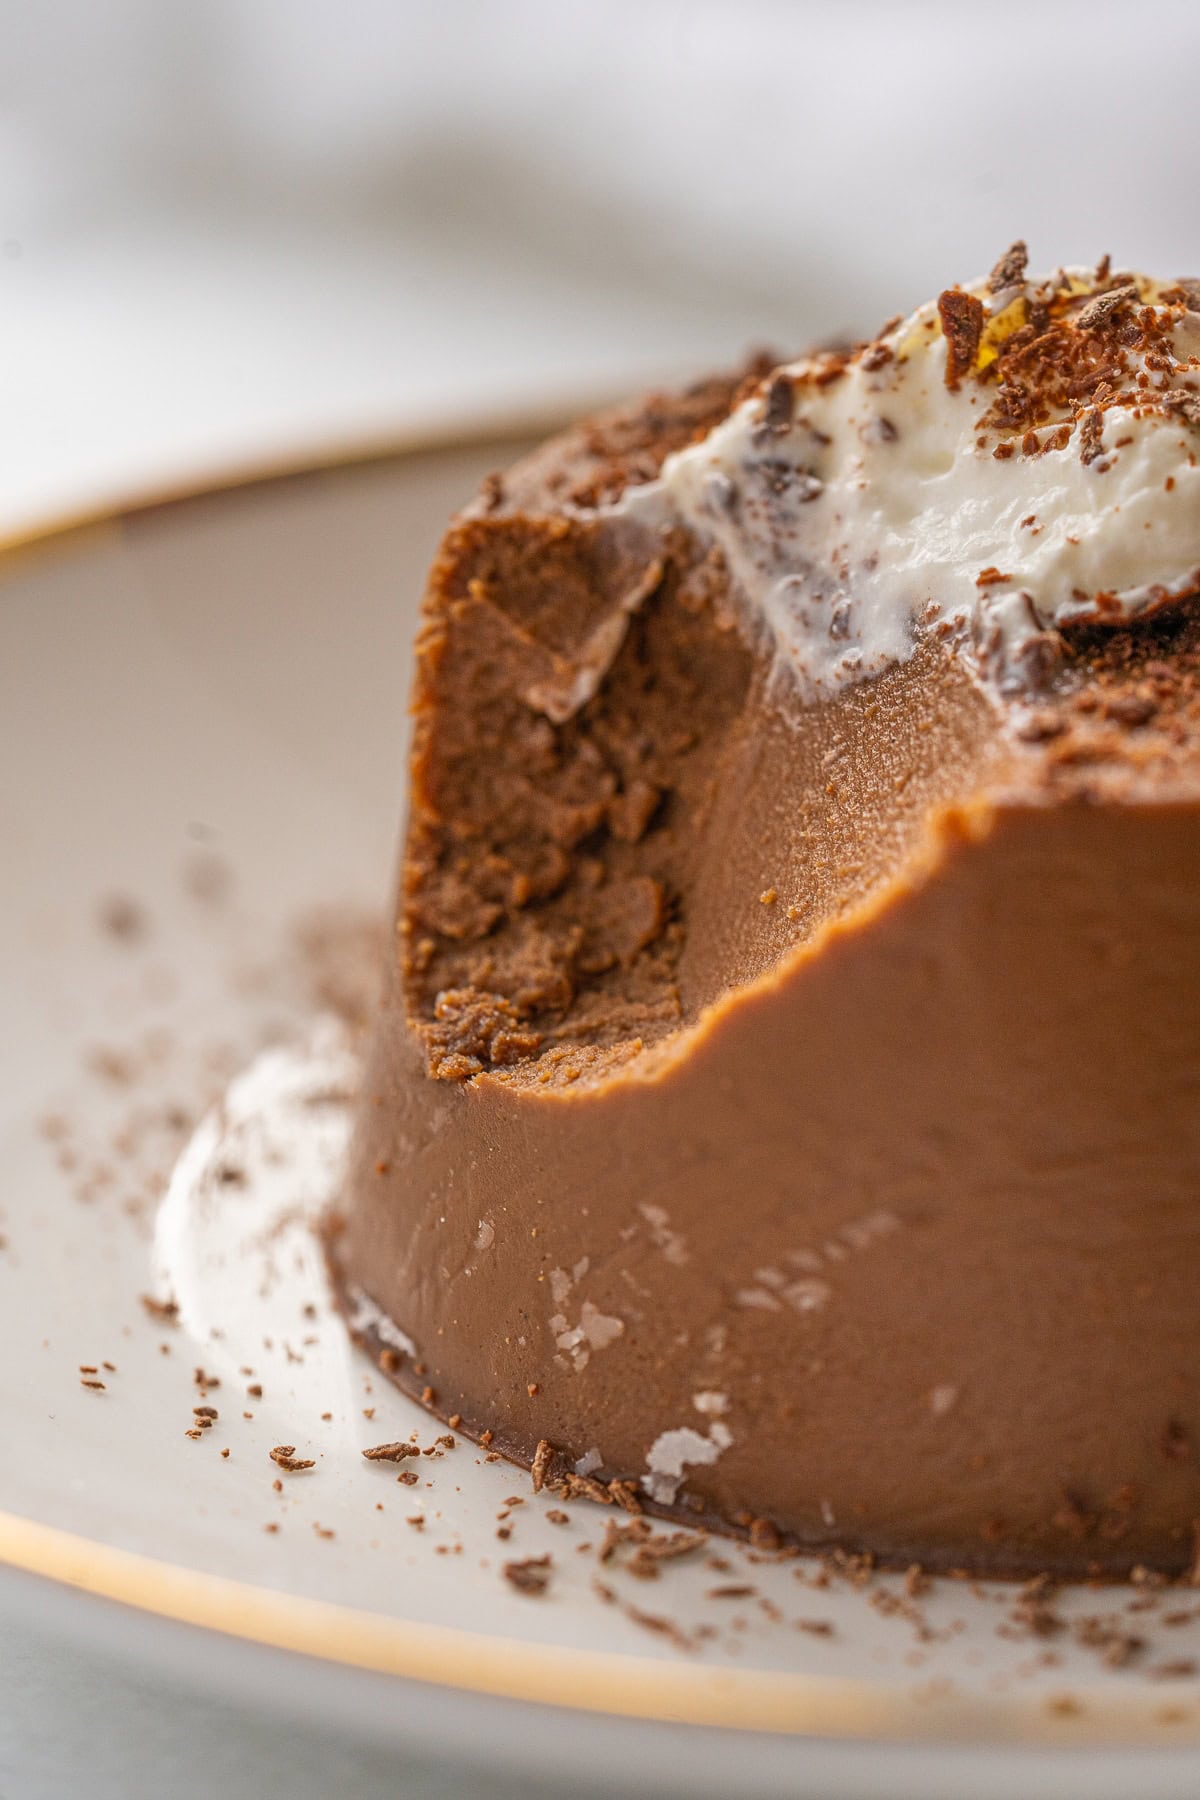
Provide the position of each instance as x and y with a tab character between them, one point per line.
962	317
1103	307
285	1456
780	404
1010	270
531	1576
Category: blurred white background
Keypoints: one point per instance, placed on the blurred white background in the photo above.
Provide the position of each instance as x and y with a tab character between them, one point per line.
241	229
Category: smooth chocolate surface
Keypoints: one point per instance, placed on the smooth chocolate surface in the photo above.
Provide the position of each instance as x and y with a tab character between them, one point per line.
798	1116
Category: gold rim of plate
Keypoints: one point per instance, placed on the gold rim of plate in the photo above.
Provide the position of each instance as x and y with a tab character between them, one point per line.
613	1683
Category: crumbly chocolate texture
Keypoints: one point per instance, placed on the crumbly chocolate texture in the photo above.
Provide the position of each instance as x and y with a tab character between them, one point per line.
549	860
660	1107
542	878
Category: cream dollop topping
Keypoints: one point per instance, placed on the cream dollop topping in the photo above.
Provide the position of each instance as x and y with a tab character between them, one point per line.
1015	456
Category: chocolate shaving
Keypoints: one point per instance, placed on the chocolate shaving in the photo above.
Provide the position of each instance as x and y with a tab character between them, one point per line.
661	1627
392	1453
962	317
165	1311
543	1457
876	356
531	1576
580	1487
491	493
616	1534
1185	405
625	1495
1091	429
285	1456
1103	307
1010	270
780	404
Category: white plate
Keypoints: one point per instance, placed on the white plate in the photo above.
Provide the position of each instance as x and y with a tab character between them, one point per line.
201	742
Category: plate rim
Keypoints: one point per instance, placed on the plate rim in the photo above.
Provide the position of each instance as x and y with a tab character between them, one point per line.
350	449
565	1678
623	1685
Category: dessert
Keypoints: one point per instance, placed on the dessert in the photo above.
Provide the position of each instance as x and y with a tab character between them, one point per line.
784	1108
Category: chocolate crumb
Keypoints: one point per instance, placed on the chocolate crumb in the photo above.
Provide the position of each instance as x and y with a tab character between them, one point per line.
165	1311
625	1495
1103	307
123	919
763	1535
491	493
660	1626
543	1457
285	1456
1009	271
392	1453
1064	1706
1091	434
580	1487
962	317
531	1576
780	404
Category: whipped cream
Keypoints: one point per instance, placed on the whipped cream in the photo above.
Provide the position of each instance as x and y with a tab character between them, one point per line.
1015	456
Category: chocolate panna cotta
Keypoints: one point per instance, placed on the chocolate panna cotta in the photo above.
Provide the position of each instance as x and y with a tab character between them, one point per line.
785	1099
